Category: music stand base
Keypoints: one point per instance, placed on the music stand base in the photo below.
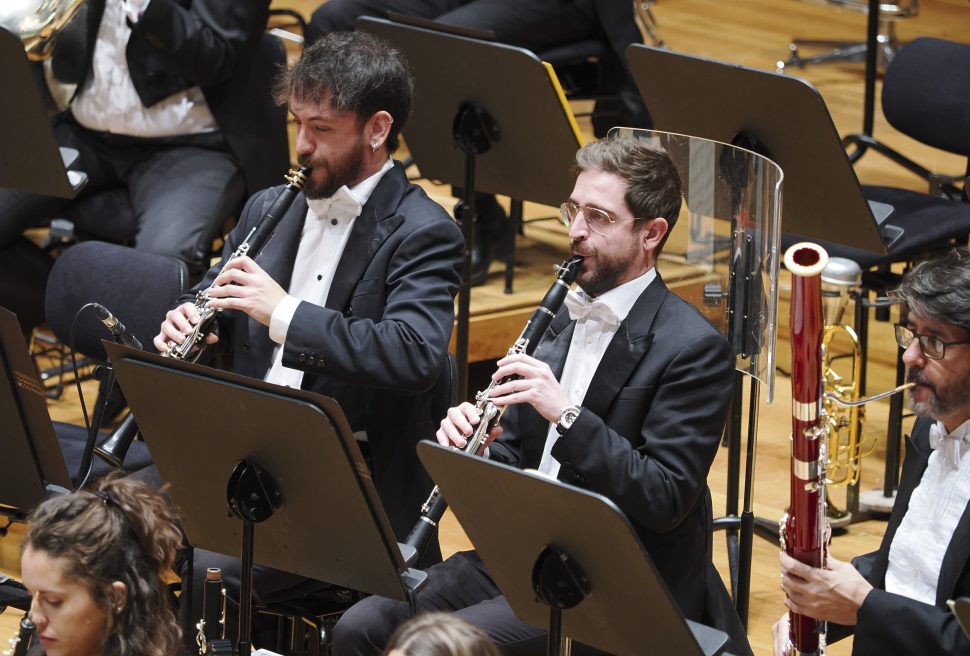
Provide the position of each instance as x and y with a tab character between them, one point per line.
876	501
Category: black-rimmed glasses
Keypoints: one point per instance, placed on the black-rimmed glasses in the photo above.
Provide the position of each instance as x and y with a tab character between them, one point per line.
932	347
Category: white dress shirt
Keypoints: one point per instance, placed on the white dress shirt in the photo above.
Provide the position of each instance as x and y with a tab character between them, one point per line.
592	335
935	508
109	103
326	230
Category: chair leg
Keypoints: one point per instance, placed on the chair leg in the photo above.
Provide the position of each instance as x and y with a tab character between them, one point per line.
843	51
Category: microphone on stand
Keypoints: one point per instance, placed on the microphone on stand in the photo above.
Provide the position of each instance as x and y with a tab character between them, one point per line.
114	449
118	330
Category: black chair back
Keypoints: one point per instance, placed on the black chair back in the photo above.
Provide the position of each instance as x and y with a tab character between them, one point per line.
137	287
926	93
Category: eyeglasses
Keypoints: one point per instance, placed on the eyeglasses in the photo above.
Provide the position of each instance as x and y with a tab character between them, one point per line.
599	221
932	347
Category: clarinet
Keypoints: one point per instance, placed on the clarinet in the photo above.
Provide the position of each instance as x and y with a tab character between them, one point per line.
251	245
490	414
803	528
211	629
20	643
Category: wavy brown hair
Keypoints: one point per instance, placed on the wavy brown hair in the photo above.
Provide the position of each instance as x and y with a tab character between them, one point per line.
124	531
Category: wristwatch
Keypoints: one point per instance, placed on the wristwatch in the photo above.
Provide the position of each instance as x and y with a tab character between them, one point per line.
567	417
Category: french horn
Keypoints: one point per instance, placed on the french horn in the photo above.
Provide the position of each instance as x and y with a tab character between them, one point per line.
55	37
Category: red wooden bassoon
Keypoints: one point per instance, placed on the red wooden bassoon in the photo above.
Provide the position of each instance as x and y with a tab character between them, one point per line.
803	528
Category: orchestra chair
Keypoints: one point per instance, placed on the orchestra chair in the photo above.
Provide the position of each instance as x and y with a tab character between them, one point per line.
304	624
926	96
855	51
138	288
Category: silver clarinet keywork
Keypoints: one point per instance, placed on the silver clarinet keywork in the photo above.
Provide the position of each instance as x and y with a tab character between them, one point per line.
490	414
192	344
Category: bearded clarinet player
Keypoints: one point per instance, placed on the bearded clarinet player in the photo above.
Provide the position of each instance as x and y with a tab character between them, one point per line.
625	396
353	297
894	599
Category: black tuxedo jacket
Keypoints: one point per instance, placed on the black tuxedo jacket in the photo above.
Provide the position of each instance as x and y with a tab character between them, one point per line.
649	431
378	345
890	623
216	45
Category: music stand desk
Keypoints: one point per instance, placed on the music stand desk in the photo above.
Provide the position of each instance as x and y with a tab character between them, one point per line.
781	117
32	467
537	133
630	611
200	422
30	160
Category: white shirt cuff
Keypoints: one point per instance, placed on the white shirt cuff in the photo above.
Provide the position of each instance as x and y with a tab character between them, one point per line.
279	323
134	9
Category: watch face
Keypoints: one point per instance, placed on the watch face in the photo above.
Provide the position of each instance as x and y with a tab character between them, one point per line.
568	416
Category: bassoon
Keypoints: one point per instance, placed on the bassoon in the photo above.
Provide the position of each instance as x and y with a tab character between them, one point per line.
803	527
489	413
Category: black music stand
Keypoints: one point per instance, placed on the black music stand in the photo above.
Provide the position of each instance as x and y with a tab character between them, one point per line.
757	110
575	563
290	462
30	160
32	467
40	457
487	117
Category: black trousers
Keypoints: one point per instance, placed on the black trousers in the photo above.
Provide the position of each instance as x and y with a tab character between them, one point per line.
459	585
181	189
536	25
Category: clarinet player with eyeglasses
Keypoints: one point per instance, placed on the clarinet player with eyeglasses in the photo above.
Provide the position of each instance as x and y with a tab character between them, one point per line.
894	599
353	296
625	395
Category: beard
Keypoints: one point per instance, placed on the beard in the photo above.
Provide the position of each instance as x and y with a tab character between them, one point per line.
940	403
342	170
604	274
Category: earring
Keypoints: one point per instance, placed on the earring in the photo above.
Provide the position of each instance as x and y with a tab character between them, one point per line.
373	148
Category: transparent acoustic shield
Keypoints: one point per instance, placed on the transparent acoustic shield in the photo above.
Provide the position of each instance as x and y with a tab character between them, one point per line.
722	253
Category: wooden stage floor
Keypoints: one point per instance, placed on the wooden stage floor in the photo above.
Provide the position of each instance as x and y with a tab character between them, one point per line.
754	33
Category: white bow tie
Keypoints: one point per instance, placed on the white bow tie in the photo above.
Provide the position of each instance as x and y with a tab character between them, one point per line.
580	306
952	446
339	206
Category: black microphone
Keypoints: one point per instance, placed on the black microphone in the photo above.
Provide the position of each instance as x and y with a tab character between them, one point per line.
118	330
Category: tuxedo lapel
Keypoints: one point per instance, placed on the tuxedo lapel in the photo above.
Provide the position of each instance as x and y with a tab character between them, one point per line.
552	350
377	220
627	348
276	259
954	560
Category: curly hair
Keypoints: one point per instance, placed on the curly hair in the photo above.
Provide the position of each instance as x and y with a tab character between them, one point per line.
440	634
939	288
358	72
124	531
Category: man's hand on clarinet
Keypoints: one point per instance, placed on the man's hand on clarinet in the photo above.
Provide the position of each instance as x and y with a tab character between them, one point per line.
177	325
531	381
459	425
244	285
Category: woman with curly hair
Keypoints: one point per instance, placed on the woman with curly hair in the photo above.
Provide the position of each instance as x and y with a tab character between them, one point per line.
93	563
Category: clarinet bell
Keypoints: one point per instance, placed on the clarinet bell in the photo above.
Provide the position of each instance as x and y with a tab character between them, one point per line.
114	449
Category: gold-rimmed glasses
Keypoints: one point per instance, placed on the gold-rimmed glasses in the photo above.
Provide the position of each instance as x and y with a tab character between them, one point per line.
599	221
